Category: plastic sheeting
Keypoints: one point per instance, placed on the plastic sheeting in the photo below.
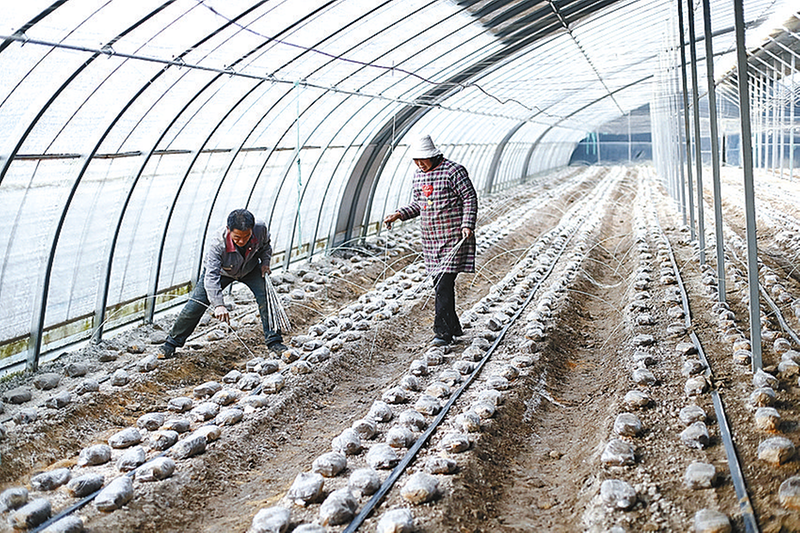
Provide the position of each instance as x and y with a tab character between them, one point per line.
131	129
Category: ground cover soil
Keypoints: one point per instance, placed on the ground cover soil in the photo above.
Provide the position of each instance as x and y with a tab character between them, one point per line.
536	467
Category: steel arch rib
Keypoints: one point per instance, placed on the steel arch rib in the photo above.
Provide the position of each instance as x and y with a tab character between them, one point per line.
38	319
333	228
150	307
285	175
228	169
305	188
35	20
100	311
225	174
498	155
354	203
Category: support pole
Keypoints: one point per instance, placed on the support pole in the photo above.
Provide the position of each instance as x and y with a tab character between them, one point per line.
692	232
682	177
597	140
712	119
698	157
781	122
762	120
765	121
749	189
758	123
630	156
675	102
774	126
765	143
753	90
791	124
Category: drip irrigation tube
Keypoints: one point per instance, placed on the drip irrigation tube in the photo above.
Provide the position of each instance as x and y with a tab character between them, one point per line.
423	439
66	512
775	309
82	503
745	506
358	520
782	321
749	517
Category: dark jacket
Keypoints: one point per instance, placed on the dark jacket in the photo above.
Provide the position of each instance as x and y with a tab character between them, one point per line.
223	259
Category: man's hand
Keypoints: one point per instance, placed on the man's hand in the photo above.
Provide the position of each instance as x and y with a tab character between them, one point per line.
390	219
265	270
467	233
221	313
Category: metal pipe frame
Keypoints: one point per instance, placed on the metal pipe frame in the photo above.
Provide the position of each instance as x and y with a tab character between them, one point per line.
712	117
38	318
749	188
775	119
688	135
515	42
791	126
701	230
677	102
498	154
781	118
354	200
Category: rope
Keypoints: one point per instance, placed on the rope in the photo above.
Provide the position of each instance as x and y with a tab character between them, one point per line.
278	319
423	439
442	264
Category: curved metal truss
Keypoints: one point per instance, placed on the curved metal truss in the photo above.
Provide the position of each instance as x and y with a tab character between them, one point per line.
131	129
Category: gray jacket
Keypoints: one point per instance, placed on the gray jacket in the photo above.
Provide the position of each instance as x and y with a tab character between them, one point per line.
222	259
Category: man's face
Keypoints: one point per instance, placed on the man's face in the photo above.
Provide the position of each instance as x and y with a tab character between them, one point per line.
241	237
424	164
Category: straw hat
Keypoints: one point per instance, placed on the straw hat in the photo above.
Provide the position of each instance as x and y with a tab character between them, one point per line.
423	148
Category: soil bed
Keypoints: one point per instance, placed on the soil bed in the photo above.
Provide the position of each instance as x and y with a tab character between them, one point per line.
536	465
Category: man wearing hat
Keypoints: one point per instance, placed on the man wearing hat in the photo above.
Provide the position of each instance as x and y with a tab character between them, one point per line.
444	197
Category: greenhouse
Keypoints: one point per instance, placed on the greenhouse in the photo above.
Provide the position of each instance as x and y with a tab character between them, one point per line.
418	266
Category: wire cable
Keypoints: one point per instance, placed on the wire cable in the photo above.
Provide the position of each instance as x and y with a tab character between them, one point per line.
337	57
180	63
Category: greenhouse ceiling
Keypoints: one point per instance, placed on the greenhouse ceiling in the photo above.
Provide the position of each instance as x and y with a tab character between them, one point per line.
132	128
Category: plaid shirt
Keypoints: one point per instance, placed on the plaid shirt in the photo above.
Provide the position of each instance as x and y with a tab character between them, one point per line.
447	202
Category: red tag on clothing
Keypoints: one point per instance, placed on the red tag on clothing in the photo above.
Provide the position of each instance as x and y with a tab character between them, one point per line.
427	189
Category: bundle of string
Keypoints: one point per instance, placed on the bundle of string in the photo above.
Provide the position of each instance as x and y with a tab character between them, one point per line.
278	319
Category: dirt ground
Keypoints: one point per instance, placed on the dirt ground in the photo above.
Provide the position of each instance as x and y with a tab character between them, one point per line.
536	464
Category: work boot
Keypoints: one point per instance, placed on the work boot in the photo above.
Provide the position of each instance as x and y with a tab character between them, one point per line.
439	341
277	348
165	351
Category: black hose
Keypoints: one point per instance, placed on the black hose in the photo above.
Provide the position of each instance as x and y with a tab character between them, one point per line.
746	507
423	439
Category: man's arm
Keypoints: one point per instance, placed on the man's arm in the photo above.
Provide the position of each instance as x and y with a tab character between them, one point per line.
264	252
213	267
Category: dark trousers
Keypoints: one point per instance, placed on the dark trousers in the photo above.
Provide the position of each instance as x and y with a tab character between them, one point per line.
446	324
193	311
